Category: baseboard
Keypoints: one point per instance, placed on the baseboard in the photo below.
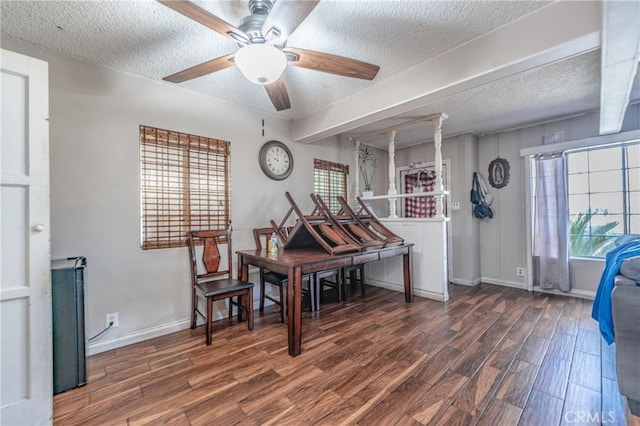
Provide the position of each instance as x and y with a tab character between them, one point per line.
580	294
400	289
462	281
513	284
137	336
150	333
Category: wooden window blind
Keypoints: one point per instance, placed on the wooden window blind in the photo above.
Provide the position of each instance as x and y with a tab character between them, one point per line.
330	180
184	186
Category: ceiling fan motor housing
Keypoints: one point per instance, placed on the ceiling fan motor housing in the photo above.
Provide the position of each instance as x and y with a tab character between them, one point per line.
252	24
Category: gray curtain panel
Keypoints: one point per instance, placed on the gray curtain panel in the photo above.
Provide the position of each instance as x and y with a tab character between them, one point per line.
551	222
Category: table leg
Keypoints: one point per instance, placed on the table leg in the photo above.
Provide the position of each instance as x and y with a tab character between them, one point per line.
249	308
243	269
294	311
407	263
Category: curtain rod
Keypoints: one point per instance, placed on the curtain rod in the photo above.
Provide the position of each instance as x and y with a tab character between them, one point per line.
630	136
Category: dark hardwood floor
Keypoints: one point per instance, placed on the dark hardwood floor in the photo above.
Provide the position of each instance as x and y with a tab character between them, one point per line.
490	356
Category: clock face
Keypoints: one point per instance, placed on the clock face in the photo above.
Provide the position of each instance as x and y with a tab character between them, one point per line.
276	160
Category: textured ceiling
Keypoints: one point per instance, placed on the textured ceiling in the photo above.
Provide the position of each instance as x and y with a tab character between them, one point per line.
569	86
148	39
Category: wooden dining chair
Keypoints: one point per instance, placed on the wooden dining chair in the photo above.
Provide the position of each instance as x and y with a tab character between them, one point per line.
216	283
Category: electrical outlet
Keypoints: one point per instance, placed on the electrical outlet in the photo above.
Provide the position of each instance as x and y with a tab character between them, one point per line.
455	205
112	317
520	271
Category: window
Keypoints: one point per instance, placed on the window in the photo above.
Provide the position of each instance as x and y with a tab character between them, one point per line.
604	197
330	180
184	185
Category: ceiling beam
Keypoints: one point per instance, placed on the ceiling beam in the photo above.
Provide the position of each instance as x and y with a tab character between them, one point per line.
552	33
619	61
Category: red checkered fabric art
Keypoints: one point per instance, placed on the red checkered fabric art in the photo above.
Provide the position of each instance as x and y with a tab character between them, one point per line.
420	206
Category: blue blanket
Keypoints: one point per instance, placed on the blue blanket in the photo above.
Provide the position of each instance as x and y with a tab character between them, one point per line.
602	303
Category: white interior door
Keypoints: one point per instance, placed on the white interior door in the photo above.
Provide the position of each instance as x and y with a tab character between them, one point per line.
25	284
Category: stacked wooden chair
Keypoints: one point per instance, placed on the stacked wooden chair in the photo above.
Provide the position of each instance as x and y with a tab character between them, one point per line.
366	219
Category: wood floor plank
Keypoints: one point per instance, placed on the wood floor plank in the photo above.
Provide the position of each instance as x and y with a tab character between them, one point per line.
317	409
585	371
517	383
407	421
305	394
533	350
225	413
562	345
69	405
148	378
553	376
520	330
479	358
500	413
432	371
257	400
541	409
350	384
101	409
581	406
588	341
438	398
273	412
477	392
173	416
502	357
398	401
454	417
474	356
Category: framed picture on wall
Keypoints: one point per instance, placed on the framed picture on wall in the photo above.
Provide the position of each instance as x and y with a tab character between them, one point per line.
499	173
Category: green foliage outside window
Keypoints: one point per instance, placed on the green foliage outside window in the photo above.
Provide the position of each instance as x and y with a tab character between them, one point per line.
590	240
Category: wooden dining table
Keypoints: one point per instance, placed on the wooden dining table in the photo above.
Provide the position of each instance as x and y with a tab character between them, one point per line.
296	262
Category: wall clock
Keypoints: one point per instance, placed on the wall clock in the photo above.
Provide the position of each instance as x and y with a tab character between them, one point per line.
276	161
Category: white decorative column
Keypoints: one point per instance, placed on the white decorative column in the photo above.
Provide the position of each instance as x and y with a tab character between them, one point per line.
392	174
356	154
437	139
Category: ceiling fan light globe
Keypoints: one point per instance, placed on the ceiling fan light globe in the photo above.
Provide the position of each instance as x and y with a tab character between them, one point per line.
260	63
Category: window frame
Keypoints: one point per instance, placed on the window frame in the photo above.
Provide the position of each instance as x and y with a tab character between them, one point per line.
625	192
330	167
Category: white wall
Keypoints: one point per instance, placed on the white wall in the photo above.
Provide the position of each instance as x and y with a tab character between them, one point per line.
462	152
502	239
94	117
491	250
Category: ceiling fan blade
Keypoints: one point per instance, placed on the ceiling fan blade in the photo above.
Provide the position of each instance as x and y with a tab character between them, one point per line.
206	18
333	64
278	93
285	16
202	69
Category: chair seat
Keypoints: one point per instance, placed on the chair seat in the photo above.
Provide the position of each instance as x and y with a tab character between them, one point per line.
274	277
224	286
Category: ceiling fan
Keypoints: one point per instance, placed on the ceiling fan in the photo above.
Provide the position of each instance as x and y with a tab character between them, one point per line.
263	54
